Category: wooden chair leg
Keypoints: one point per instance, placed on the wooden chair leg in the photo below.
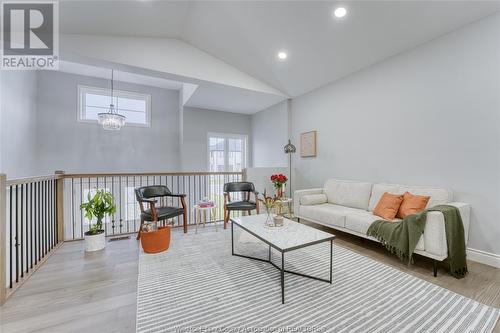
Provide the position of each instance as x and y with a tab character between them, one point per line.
184	221
140	228
226	218
249	212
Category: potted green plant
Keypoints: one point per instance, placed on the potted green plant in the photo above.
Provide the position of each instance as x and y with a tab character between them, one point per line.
98	206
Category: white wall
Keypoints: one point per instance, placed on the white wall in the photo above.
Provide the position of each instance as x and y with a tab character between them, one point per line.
429	116
269	136
67	144
18	111
198	123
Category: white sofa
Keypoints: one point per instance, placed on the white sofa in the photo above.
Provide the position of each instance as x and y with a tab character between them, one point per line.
348	205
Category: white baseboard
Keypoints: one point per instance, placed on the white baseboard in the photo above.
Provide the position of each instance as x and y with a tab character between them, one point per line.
483	257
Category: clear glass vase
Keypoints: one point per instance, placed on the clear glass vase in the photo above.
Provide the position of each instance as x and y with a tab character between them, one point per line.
269	217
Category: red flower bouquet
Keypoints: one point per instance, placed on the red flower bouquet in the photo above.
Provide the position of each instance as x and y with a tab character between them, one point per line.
279	180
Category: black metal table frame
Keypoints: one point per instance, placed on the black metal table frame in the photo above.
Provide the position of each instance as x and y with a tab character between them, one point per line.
282	268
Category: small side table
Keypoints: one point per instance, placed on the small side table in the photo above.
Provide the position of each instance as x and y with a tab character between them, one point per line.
200	215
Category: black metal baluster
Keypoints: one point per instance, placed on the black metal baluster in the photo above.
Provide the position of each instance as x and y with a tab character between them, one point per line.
26	225
31	226
37	222
200	182
52	213
113	193
17	234
47	217
10	236
73	219
51	216
22	230
50	224
178	191
120	207
219	186
203	184
81	201
56	209
183	191
44	219
189	199
171	185
126	206
135	209
105	222
81	222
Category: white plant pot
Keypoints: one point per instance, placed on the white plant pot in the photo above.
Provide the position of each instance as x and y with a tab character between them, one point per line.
95	242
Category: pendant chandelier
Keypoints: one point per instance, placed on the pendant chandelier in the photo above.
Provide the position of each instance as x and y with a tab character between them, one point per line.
111	120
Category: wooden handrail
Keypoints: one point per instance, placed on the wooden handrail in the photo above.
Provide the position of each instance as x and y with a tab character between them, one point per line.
138	174
27	180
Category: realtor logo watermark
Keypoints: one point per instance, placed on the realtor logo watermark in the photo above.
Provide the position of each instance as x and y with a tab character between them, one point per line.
30	35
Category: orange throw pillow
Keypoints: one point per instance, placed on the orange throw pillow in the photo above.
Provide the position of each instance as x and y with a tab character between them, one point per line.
412	204
388	206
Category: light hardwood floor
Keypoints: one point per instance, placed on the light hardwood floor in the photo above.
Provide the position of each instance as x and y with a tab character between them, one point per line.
78	292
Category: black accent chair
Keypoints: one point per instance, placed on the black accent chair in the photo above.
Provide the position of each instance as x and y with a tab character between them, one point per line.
147	194
243	205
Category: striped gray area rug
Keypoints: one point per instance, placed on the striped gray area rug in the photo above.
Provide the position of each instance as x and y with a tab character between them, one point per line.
197	286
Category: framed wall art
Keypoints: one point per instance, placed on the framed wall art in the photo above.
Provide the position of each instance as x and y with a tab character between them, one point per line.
308	144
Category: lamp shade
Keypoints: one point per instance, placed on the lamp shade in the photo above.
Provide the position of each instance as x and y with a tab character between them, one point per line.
290	148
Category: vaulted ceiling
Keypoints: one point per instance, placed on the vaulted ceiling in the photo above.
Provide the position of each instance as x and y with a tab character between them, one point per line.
248	34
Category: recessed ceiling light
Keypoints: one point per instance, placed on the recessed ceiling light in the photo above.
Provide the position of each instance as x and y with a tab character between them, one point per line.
282	55
340	12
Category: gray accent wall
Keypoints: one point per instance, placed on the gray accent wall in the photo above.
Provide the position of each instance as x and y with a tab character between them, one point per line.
429	116
18	115
199	122
64	143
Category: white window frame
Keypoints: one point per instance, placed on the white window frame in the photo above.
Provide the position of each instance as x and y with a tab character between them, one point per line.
83	90
226	148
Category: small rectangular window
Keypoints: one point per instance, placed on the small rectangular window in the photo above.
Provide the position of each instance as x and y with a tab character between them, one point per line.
136	107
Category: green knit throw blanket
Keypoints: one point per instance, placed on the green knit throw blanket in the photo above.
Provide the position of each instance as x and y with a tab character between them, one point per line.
401	237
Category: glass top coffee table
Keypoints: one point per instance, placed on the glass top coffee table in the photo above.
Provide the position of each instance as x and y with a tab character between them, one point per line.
291	236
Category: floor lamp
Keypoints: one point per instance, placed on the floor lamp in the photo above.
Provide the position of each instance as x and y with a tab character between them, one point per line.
290	149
